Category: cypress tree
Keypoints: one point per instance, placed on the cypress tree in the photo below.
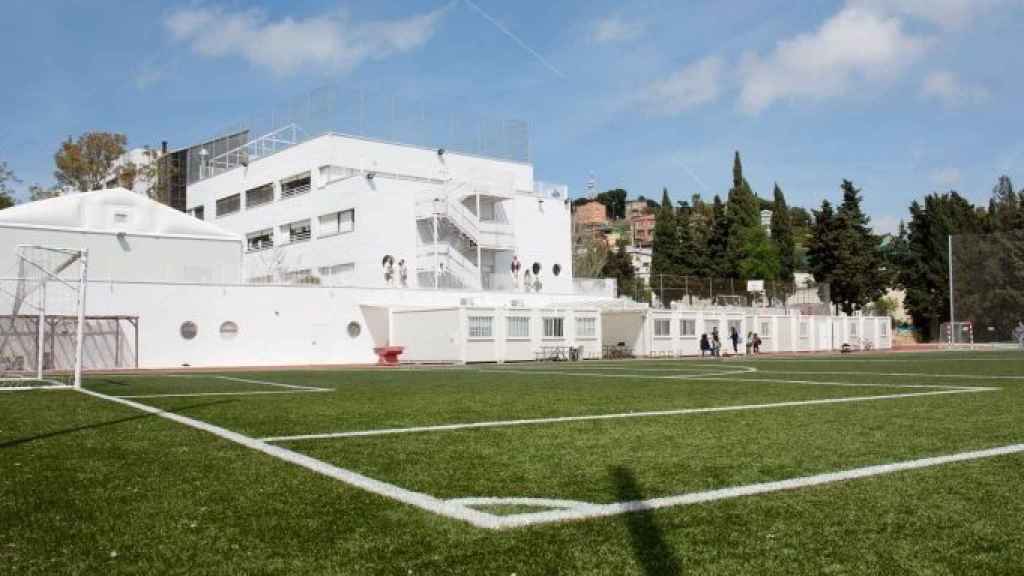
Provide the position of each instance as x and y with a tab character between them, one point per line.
665	249
743	215
782	236
718	241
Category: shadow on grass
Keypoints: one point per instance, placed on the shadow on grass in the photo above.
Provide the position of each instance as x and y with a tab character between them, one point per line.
27	439
649	546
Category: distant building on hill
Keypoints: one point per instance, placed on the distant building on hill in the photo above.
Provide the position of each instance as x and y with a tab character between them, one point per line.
592	213
643	230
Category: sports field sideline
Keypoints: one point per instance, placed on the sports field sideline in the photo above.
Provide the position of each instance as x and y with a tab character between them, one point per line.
902	463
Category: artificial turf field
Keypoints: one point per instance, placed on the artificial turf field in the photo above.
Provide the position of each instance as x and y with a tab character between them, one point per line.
862	464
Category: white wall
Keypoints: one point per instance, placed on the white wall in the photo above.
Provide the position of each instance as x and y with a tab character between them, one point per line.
133	257
440	342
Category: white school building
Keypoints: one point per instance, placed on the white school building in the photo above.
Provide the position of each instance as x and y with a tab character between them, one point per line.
295	256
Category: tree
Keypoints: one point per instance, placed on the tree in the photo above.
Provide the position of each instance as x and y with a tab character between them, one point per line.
589	257
37	192
782	236
925	272
7	178
743	216
620	266
1005	210
823	249
665	253
86	164
718	241
860	275
615	201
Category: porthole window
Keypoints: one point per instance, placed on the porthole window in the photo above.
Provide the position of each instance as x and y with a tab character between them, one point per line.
228	330
536	268
354	329
189	330
556	269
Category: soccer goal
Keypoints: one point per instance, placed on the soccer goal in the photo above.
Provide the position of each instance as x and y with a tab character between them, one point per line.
42	317
957	334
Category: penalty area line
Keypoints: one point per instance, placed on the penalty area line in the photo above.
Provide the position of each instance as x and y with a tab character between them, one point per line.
613	416
585	511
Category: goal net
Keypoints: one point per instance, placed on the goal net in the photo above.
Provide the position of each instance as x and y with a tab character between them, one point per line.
987	287
42	313
957	334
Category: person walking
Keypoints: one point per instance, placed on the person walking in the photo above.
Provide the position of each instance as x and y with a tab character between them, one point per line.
716	343
750	342
705	346
734	336
403	274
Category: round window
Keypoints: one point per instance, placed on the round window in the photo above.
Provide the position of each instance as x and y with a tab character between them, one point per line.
189	330
536	268
556	269
228	330
354	329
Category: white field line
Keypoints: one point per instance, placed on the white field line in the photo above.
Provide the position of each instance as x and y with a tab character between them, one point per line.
722	377
908	374
269	383
613	416
585	511
242	393
417	499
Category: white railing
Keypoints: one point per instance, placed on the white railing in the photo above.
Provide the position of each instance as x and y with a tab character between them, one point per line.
449	260
492	234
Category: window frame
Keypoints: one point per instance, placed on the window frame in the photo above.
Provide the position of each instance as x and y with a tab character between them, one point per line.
662	322
261	189
482	325
589	321
237	197
337	231
513	321
692	323
553	322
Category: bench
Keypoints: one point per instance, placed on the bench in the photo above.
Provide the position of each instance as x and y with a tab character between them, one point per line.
388	355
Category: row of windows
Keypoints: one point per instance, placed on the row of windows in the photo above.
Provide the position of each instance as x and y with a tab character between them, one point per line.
258	196
519	327
301	230
688	327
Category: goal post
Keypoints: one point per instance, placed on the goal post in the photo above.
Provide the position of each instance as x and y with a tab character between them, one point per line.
986	288
42	318
957	334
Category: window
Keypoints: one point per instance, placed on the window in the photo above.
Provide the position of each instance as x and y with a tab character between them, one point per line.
259	196
337	223
261	240
296	231
229	205
338	272
295	185
303	276
853	329
884	329
662	327
687	327
188	330
766	329
554	327
228	330
354	329
556	269
198	212
586	327
517	327
267	279
481	326
805	329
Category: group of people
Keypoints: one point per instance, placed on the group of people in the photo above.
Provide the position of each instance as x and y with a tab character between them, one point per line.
391	270
713	344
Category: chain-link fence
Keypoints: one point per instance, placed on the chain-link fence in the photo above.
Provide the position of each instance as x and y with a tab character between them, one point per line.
987	285
666	290
366	113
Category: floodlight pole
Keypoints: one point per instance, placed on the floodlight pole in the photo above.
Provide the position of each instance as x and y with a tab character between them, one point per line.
80	329
952	304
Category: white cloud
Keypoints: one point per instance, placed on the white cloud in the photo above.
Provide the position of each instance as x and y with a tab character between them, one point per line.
856	44
945	178
615	29
948	14
945	87
696	84
332	41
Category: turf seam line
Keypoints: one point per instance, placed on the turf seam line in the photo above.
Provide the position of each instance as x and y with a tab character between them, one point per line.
419	500
249	393
612	416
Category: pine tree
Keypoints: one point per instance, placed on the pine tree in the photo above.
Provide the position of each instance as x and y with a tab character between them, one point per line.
822	252
743	216
859	277
620	266
1005	207
782	236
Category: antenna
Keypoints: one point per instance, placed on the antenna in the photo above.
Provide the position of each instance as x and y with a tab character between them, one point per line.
591	186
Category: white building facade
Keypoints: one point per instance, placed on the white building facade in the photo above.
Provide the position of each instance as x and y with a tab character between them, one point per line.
345	211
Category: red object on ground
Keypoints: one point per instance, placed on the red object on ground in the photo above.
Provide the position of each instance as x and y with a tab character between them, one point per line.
388	355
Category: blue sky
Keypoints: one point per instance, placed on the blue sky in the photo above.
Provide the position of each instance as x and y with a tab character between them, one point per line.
904	97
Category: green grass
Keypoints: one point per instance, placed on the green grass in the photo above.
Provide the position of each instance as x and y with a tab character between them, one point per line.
88	486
